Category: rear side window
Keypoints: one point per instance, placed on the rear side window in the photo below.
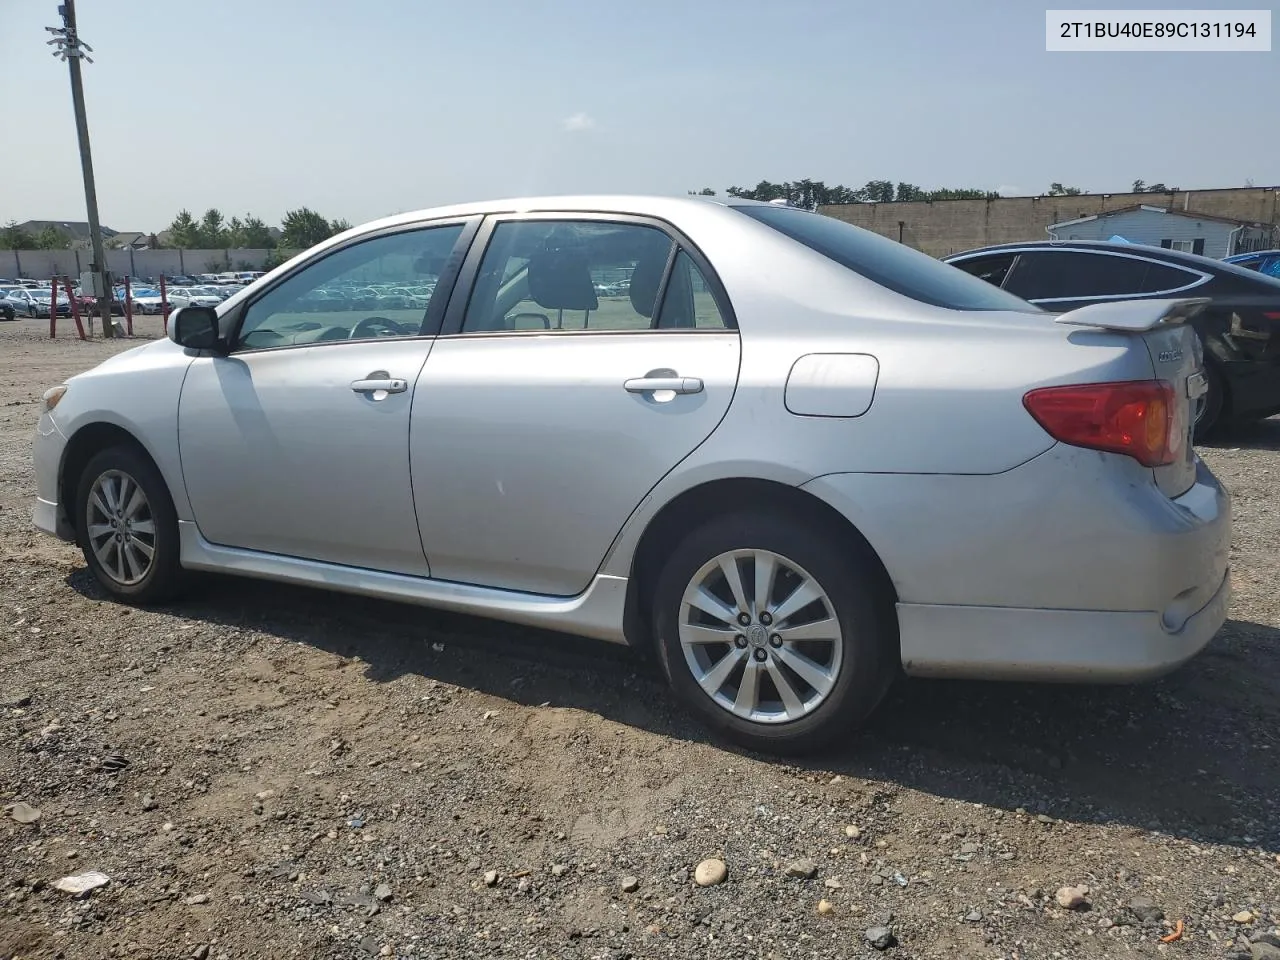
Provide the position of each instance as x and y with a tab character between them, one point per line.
1073	274
993	268
886	262
1160	278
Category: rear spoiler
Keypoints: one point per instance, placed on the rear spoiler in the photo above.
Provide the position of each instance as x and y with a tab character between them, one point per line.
1134	316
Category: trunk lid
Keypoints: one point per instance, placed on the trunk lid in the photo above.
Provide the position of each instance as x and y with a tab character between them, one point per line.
1176	357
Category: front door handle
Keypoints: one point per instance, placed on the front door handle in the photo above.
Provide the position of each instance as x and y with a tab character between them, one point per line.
654	384
377	385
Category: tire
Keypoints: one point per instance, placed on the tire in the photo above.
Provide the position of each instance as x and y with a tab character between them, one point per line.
163	578
1209	420
859	666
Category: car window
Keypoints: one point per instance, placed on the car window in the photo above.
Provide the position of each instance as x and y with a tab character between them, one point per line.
688	301
346	295
886	262
992	268
1270	267
1160	277
1074	274
541	275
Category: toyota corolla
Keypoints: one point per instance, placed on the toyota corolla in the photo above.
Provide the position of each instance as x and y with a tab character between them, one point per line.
794	458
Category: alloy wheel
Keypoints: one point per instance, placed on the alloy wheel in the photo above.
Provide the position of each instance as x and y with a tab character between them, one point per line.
121	527
760	636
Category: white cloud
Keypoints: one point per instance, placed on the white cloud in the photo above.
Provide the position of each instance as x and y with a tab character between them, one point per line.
579	121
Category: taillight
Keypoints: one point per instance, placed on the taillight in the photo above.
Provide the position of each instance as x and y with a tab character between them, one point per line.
1138	418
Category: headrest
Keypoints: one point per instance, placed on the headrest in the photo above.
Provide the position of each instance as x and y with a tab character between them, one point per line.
561	280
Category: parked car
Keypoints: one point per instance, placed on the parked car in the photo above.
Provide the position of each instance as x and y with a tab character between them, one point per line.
796	459
147	300
32	302
1266	262
1240	328
188	296
8	311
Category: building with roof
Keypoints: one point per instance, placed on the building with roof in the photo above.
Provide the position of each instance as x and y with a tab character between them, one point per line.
942	227
1189	230
75	229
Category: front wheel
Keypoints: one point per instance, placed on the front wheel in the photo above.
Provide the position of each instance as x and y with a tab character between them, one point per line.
127	527
776	634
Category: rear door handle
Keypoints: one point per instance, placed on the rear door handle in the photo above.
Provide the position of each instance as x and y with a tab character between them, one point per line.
654	384
384	385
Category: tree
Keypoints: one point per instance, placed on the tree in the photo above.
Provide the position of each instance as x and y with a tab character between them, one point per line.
704	192
304	228
213	230
1139	186
1058	190
184	232
14	238
256	234
877	191
339	225
51	238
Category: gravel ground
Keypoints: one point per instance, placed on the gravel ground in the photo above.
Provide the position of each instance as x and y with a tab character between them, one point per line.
272	772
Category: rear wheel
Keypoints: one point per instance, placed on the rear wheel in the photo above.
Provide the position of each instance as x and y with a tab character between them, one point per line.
127	527
774	634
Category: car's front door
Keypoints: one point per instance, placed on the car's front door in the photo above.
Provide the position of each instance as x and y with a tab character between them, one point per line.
591	356
297	442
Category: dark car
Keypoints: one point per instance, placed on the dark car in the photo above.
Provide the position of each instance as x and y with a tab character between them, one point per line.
1240	327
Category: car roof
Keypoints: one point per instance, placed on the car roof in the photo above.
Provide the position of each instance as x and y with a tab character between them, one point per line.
1192	260
1239	257
643	204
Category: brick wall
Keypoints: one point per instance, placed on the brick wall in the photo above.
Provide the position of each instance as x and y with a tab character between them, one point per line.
949	226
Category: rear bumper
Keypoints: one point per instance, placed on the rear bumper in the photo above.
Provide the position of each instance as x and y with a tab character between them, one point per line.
1066	646
1073	566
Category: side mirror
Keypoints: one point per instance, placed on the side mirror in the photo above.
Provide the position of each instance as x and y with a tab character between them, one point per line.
194	327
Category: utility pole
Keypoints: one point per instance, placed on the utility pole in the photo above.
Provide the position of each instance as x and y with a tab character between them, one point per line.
72	49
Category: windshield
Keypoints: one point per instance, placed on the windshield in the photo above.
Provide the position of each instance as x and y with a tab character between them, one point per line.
892	265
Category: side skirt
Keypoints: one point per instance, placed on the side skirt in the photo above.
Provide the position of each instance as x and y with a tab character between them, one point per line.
596	612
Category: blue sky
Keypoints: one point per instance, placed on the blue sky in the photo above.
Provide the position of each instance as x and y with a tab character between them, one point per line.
360	109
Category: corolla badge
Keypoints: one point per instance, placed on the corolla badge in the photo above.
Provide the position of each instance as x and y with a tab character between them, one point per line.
1169	356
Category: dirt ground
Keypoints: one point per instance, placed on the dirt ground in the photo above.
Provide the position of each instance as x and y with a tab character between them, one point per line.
272	772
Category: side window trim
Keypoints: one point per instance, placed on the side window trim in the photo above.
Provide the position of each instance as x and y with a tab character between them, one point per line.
461	291
1200	276
434	314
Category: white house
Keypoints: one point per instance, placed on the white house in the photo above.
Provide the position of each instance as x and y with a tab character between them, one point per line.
1202	233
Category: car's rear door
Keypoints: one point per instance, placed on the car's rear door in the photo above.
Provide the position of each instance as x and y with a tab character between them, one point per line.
546	412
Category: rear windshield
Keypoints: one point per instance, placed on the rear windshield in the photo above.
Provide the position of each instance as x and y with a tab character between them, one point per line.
892	265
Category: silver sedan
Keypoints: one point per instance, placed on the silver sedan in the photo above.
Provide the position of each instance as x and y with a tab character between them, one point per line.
795	458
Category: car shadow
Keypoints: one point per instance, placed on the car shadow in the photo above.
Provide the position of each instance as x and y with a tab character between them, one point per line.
1196	754
1253	435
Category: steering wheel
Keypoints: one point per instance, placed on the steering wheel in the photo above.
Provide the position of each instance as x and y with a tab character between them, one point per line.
376	327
